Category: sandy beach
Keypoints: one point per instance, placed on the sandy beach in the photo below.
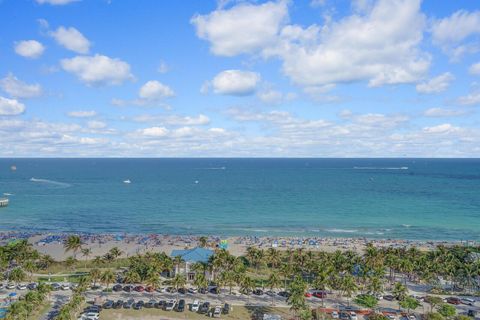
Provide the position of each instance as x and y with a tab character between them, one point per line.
100	244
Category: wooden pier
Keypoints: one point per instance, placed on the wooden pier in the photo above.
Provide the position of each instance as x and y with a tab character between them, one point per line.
3	202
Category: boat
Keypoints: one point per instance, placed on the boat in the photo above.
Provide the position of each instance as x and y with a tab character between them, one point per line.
127	181
13	168
3	202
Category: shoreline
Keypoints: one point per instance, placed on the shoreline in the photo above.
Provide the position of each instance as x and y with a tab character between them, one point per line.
51	243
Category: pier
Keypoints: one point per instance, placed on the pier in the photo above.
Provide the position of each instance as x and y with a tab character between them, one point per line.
3	202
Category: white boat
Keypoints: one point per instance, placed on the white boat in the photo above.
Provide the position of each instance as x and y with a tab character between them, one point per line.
127	181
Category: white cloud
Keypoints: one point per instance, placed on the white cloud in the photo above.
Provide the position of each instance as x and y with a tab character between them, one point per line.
375	45
244	28
470	99
448	33
441	112
174	120
95	124
155	132
98	69
71	39
82	114
475	69
56	2
155	90
235	82
29	49
19	89
10	107
436	85
441	129
270	96
163	67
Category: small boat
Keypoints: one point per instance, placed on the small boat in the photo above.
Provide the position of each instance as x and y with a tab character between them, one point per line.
13	168
127	181
196	181
3	202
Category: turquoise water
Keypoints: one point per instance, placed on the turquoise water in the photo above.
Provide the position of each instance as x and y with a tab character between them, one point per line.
376	198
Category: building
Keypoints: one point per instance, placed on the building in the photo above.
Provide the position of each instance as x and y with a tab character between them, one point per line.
189	257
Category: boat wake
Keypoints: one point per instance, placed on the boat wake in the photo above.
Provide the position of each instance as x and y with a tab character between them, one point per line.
6	194
214	168
380	168
52	182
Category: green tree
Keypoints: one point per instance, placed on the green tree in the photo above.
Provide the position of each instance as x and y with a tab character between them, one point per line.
433	301
203	241
448	311
399	291
17	275
433	316
367	301
273	283
107	277
409	303
72	243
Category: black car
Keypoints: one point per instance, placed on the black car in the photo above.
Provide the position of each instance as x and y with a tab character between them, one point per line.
284	294
226	308
150	304
117	288
128	304
180	306
344	315
139	305
202	290
128	288
108	304
118	304
182	290
258	292
160	304
472	313
204	308
388	297
93	308
214	290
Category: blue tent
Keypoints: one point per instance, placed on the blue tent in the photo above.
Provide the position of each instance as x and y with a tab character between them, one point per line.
193	255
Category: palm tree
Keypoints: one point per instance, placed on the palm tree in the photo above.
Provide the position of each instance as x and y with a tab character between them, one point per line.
95	275
98	261
273	282
30	267
348	286
17	275
108	276
46	261
86	253
179	281
132	276
273	257
115	252
203	241
72	243
70	262
200	281
177	261
399	291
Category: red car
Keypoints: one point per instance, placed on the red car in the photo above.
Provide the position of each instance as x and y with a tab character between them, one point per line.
139	288
320	294
308	294
454	300
150	289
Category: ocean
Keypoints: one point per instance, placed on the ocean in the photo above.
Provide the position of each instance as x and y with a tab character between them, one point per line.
418	199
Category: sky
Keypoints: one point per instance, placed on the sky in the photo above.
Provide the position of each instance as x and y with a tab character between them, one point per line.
311	78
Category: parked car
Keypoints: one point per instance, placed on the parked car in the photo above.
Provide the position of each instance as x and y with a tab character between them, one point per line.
182	290
388	297
226	308
334	314
55	286
150	289
472	313
391	317
308	294
217	312
195	305
160	304
353	316
139	305
170	289
320	294
214	290
170	305
117	288
22	286
91	316
150	304
32	286
118	304
108	304
128	288
128	304
192	290
202	290
204	307
65	286
344	316
139	288
468	301
258	292
284	294
180	306
454	300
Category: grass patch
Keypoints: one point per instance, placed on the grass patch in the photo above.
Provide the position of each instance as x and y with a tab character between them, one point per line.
238	313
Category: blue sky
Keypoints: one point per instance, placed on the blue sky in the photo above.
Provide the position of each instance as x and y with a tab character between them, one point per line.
318	78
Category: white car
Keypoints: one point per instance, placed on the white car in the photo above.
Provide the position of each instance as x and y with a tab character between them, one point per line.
65	286
468	301
353	316
22	286
170	305
412	317
217	312
192	290
391	317
334	314
195	305
91	316
10	286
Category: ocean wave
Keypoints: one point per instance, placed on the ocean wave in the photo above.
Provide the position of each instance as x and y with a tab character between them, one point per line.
52	182
7	194
380	168
214	168
342	230
406	225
